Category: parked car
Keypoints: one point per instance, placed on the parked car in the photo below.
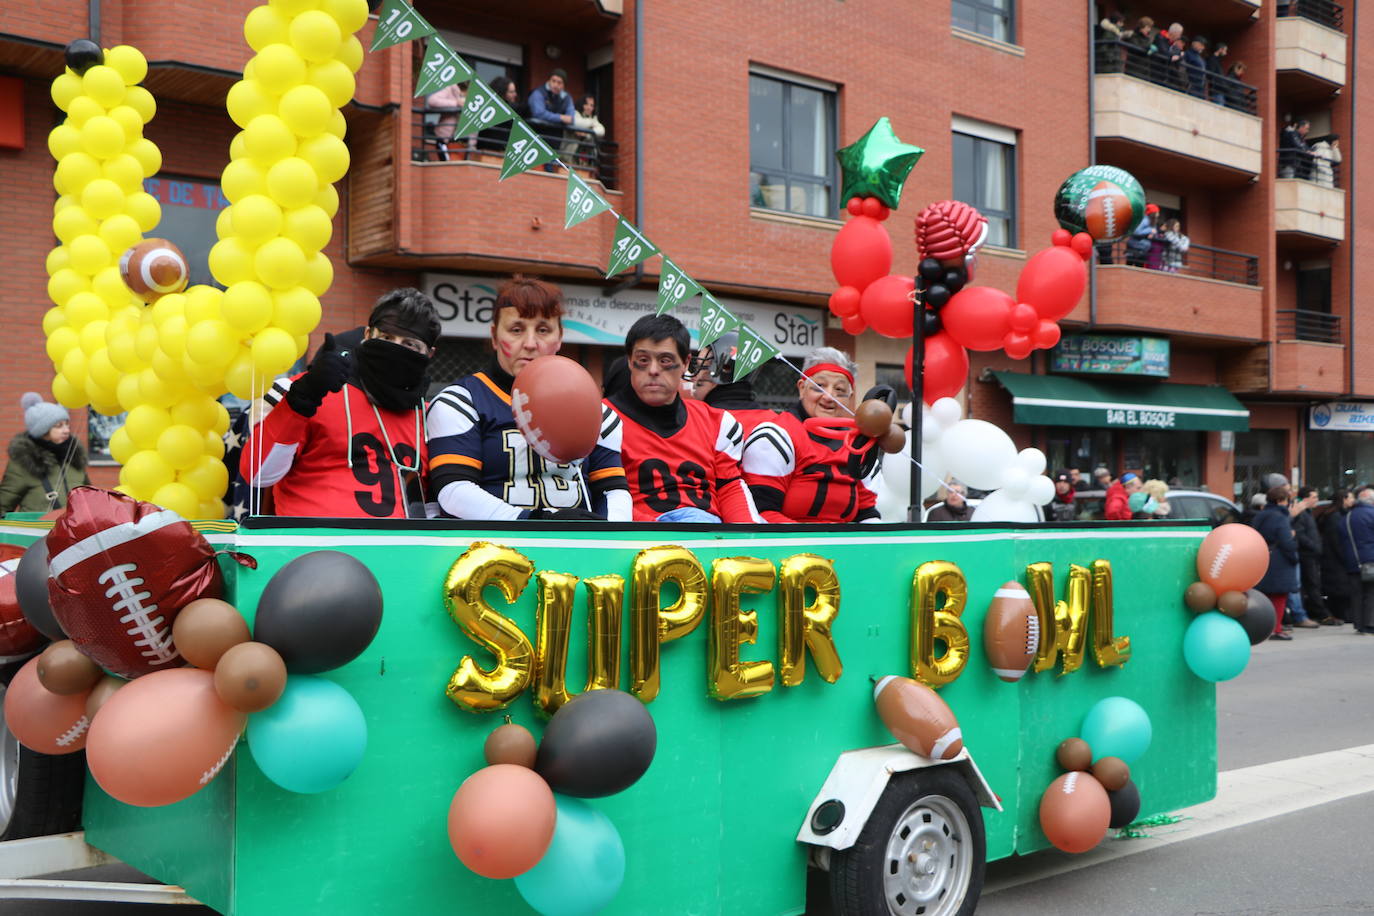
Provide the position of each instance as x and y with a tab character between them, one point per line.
1183	504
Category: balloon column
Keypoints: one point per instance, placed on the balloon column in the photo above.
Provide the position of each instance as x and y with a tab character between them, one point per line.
1231	615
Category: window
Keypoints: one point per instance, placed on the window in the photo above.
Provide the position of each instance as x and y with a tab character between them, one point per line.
985	175
986	17
894	375
791	145
1314	286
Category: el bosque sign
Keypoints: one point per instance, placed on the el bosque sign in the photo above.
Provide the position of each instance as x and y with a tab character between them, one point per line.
590	317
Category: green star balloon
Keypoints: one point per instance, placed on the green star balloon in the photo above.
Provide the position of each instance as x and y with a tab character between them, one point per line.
876	165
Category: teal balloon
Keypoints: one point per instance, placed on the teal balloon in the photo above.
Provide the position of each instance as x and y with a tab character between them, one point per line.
311	739
584	867
1117	727
1216	647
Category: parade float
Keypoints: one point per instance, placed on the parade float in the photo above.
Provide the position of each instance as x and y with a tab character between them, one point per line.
376	716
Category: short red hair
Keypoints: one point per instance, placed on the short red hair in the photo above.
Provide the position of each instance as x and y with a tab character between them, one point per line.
530	298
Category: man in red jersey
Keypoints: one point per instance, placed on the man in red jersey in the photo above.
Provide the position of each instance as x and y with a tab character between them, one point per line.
346	437
681	456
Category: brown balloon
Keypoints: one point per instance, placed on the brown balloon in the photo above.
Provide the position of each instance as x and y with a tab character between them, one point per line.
103	690
1074	754
250	676
873	418
1200	597
894	440
206	629
511	743
1233	604
63	670
1112	772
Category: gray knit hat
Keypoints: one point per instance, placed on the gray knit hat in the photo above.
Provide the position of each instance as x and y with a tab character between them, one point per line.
41	416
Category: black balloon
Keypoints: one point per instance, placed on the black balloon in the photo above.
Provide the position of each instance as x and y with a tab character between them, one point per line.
319	611
937	295
597	744
1259	617
932	322
31	587
931	270
1125	805
83	54
955	278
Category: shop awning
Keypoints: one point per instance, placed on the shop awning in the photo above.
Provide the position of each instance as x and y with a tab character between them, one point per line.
1057	400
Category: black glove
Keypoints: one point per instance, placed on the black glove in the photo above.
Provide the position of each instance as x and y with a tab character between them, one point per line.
576	514
327	373
885	393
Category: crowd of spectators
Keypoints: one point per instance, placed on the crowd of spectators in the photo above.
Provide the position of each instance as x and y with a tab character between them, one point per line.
1190	64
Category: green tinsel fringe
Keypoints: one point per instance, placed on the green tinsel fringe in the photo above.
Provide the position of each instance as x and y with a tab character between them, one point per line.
1135	830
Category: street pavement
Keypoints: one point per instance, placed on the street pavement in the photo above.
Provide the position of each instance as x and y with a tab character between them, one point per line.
1289	832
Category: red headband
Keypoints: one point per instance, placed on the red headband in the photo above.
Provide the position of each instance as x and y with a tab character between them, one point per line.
829	367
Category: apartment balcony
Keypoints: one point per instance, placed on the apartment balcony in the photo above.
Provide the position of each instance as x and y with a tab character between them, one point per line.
1307	357
1151	115
1309	203
1310	50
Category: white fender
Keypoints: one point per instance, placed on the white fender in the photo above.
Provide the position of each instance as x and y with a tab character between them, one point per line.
857	781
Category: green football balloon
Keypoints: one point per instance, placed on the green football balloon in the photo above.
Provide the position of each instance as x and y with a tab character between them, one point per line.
1102	200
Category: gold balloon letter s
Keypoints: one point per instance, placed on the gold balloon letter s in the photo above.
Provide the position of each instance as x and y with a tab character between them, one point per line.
931	620
472	687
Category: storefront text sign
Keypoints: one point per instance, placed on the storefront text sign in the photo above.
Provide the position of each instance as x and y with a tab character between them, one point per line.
1110	355
1343	415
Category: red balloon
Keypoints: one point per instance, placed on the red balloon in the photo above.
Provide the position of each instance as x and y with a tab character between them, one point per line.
844	302
1075	812
1046	334
887	307
875	208
17	635
43	721
854	324
1082	244
855	206
946	368
978	317
1053	281
1018	345
1061	237
557	407
1023	318
861	252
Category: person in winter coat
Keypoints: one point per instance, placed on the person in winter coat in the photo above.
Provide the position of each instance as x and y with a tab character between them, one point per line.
1310	557
955	508
1276	525
1175	246
1357	536
1117	506
46	460
1335	578
1061	508
1326	155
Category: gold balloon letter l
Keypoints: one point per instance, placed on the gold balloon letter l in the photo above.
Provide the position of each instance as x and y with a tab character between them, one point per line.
1108	650
472	687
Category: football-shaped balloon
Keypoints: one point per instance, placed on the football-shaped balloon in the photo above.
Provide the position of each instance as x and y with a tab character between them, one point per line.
17	635
557	407
154	268
162	738
918	717
1075	812
43	721
1108	211
1232	558
1011	632
1102	200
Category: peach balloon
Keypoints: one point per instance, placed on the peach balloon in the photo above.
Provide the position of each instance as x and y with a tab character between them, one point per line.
162	737
44	721
1075	812
1232	558
501	820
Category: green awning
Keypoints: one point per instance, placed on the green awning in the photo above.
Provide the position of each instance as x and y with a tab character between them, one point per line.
1057	400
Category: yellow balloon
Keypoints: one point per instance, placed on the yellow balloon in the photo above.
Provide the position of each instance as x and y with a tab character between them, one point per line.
280	263
267	139
328	200
211	342
102	198
327	154
89	253
65	87
144	208
203	303
243	177
306	110
146	423
74	366
82	109
67	394
128	118
309	227
351	15
67	283
171	371
124	355
247	99
122	448
128	62
197	410
351	54
121	232
292	182
178	497
103	84
102	137
302	344
231	261
172	304
290	8
224	226
156	390
264	26
181	446
247	306
278	67
296	311
214	445
145	341
53	319
256	218
319	274
202	376
61	342
335	79
242	379
237	148
208	476
141	101
211	509
109	285
171	336
57	259
72	222
63	140
146	471
220	424
126	171
93	337
104	373
148	157
315	35
338	124
76	170
85	307
274	351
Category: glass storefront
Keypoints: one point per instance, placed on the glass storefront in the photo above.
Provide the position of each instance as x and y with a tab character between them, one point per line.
1174	457
1339	459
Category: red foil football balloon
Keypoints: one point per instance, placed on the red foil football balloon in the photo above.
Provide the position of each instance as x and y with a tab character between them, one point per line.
950	231
17	635
557	406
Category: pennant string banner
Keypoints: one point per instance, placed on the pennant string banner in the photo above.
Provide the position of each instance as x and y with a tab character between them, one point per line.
484	109
442	68
674	287
753	352
524	151
583	202
628	248
397	21
716	319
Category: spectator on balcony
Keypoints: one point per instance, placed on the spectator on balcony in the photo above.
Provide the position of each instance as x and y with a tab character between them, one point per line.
1176	69
1111	31
1326	155
1175	246
1216	75
1138	245
1195	63
1295	157
494	139
448	101
1112	27
580	143
1235	90
551	109
1141	41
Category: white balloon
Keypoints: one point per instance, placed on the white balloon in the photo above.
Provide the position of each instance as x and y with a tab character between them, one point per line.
946	412
997	506
1032	460
976	453
1040	491
894	483
1016	482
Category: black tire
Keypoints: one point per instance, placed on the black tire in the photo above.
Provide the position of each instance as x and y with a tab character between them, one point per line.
40	794
922	852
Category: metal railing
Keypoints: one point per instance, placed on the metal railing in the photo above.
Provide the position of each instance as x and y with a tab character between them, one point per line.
581	150
1309	166
1302	324
1322	11
1198	261
1171	72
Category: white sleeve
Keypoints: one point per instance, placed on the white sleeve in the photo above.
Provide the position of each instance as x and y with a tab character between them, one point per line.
730	438
768	452
465	499
619	506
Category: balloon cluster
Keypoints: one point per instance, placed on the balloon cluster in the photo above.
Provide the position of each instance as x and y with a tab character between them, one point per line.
522	816
1232	615
1096	793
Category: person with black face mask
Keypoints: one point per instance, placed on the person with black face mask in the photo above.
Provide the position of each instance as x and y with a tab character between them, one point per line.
346	437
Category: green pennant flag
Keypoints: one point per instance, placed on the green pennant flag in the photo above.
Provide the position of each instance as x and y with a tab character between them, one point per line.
484	109
628	248
583	202
397	21
524	151
674	287
442	67
715	320
753	352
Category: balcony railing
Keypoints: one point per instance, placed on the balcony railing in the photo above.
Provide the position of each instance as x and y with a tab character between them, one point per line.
1123	57
580	150
1309	166
1325	12
1199	260
1302	324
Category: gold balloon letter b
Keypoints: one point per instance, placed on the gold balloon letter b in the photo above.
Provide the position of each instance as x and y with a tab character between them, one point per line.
931	620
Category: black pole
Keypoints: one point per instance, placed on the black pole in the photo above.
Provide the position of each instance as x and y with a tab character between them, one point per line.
918	362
